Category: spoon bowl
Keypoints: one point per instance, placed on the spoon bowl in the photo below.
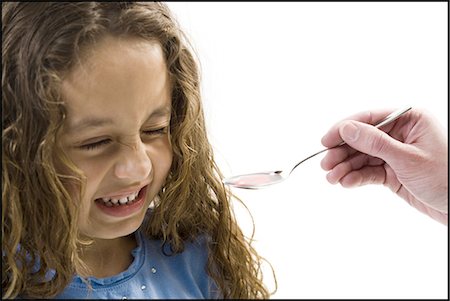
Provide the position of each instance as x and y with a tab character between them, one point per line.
256	180
263	179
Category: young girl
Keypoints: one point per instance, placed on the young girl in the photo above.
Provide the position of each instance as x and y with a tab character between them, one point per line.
110	189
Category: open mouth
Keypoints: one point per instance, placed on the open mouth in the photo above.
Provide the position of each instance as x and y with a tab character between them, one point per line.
124	205
124	201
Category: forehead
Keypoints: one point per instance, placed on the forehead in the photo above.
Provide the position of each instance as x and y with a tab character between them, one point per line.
114	58
116	76
109	49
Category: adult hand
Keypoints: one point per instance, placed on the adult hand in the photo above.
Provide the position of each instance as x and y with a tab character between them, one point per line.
410	156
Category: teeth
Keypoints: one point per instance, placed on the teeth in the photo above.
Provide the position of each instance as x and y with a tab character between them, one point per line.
122	201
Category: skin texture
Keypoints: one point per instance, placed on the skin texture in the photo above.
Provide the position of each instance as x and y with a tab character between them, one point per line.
410	156
123	82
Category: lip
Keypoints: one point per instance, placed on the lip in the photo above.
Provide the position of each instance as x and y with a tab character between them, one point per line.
124	210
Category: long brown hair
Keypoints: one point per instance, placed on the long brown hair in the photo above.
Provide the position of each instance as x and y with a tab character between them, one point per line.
41	43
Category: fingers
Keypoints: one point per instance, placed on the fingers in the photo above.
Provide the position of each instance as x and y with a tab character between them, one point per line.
372	141
335	156
355	165
364	176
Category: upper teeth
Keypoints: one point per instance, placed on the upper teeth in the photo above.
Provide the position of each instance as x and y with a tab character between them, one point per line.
122	200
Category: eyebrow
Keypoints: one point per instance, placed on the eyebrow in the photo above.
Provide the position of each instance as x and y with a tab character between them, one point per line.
94	122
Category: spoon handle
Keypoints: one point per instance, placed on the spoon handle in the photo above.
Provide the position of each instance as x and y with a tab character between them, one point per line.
388	119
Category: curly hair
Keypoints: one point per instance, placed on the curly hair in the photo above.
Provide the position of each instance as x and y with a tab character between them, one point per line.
42	41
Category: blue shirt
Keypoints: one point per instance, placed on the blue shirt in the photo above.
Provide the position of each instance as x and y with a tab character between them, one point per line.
152	274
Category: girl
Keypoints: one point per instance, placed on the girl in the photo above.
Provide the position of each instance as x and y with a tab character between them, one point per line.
110	188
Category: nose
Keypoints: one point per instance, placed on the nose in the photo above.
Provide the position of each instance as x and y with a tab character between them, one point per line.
134	163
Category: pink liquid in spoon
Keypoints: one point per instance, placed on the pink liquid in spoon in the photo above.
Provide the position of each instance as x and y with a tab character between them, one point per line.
255	180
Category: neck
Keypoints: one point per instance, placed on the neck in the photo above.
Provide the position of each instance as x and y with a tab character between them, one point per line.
108	257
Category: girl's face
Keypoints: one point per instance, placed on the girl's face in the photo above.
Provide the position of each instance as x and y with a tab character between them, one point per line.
116	131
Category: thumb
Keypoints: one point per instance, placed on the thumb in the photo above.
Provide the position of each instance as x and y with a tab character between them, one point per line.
372	141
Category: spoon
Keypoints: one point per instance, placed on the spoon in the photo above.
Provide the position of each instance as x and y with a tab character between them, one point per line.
262	179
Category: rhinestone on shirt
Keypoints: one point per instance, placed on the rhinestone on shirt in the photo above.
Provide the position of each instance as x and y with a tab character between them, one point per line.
153	270
143	287
124	298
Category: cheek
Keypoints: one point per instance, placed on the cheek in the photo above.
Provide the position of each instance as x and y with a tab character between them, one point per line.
71	179
161	156
92	171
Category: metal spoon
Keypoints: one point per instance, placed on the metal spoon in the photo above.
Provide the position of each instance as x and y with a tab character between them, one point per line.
263	179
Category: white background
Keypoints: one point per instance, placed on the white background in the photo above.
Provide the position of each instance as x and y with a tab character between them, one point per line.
275	77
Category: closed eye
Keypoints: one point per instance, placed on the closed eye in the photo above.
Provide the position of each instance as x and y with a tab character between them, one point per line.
156	132
92	146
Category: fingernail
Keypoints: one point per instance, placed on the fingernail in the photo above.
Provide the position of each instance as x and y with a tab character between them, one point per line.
350	132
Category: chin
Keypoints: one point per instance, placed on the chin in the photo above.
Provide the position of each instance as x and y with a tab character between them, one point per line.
117	230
